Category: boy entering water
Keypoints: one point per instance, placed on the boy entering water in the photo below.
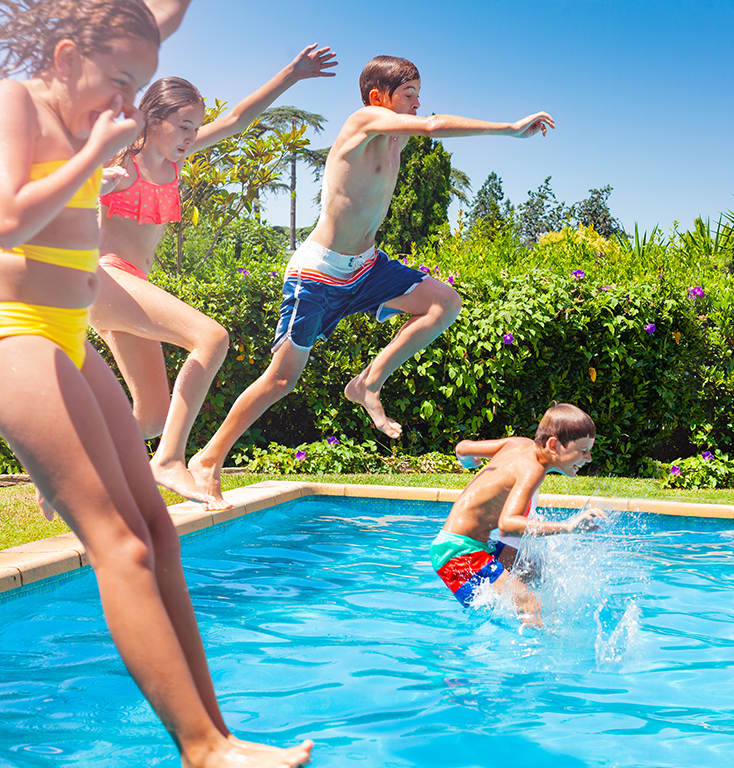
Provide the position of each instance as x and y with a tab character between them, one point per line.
338	272
502	496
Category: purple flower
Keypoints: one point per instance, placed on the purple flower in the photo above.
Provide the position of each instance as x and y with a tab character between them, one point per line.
650	328
424	268
508	338
578	274
405	261
332	440
706	455
435	270
696	292
606	287
274	273
674	470
242	271
300	455
451	280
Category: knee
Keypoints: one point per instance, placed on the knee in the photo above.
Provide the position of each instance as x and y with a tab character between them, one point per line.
129	553
281	383
213	343
449	304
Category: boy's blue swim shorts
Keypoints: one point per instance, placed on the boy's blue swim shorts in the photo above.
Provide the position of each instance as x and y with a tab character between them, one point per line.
322	286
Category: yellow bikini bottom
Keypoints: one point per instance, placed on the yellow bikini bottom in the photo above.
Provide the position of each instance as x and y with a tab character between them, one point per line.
67	328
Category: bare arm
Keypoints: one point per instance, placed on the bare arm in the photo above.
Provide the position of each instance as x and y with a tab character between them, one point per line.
513	521
469	452
310	62
379	120
168	14
28	206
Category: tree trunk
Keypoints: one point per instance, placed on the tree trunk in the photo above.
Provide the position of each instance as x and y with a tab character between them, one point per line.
293	203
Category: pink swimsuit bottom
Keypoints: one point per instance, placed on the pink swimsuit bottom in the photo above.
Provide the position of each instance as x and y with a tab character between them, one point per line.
125	266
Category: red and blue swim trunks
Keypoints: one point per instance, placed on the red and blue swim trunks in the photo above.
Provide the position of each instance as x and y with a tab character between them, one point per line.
464	563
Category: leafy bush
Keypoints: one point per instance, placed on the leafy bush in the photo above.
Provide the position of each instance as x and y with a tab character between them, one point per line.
707	470
341	456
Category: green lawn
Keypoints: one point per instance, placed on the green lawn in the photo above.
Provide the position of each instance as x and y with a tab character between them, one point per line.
21	521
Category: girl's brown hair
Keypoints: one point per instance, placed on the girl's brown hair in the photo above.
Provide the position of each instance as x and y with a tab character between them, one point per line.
30	29
387	74
163	98
565	422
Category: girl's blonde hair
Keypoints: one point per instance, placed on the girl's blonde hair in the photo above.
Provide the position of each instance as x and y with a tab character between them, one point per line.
30	29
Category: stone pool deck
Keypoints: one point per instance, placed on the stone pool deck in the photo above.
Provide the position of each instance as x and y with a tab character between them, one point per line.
31	563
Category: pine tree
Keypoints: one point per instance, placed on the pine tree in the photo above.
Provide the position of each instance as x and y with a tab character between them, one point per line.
419	207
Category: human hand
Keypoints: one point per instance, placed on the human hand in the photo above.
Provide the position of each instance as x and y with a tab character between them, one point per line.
312	62
588	520
469	462
532	124
111	177
108	135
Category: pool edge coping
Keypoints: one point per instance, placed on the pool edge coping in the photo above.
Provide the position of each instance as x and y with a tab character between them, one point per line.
33	562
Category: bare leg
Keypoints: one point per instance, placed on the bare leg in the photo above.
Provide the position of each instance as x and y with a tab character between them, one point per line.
76	436
134	317
278	380
433	306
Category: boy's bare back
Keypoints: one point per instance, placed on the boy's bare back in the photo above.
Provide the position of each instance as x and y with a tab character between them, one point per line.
507	483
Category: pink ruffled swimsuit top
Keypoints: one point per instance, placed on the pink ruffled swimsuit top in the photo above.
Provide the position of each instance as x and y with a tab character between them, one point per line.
145	201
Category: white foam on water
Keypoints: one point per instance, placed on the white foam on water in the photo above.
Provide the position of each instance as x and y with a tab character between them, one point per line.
588	583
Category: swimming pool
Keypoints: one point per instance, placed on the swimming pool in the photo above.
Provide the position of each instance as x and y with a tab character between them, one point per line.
323	618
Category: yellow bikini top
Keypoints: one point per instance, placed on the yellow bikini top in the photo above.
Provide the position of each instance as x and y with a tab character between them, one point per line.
85	197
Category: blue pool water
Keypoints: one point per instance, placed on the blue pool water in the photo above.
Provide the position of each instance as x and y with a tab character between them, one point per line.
323	618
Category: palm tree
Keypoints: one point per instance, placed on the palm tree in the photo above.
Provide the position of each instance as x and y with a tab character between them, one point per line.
289	118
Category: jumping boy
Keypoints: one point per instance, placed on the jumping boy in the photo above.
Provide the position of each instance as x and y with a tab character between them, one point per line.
502	495
338	271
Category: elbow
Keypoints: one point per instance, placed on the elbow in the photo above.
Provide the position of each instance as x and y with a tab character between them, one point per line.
10	236
434	126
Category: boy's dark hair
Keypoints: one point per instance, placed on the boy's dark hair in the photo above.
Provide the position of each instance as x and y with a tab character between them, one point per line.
163	98
30	29
565	422
387	74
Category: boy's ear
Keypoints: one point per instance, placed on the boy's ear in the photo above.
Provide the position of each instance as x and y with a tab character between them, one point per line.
551	444
377	99
66	54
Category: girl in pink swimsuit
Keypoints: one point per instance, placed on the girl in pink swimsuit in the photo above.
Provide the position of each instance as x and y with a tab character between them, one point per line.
132	315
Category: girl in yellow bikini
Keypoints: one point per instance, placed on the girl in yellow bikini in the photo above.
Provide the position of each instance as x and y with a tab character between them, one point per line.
61	409
132	315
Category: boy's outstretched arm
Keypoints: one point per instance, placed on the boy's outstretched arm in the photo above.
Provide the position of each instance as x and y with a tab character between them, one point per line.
379	120
168	14
469	452
310	62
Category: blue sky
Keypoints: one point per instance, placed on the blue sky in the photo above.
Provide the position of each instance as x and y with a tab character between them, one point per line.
641	90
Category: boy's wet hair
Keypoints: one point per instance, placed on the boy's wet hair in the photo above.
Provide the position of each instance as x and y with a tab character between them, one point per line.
386	74
565	422
30	29
163	98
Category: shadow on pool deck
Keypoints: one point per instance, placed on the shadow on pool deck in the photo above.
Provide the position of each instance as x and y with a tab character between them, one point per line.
33	562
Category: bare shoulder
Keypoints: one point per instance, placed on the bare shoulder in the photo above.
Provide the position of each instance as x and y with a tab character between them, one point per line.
15	96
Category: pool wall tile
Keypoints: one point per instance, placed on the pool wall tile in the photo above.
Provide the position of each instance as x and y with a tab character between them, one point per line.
50	558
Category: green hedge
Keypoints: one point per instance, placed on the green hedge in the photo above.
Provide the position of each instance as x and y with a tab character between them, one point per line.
588	338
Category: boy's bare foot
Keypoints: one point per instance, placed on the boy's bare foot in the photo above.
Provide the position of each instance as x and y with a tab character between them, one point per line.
357	392
246	754
208	477
174	476
45	507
